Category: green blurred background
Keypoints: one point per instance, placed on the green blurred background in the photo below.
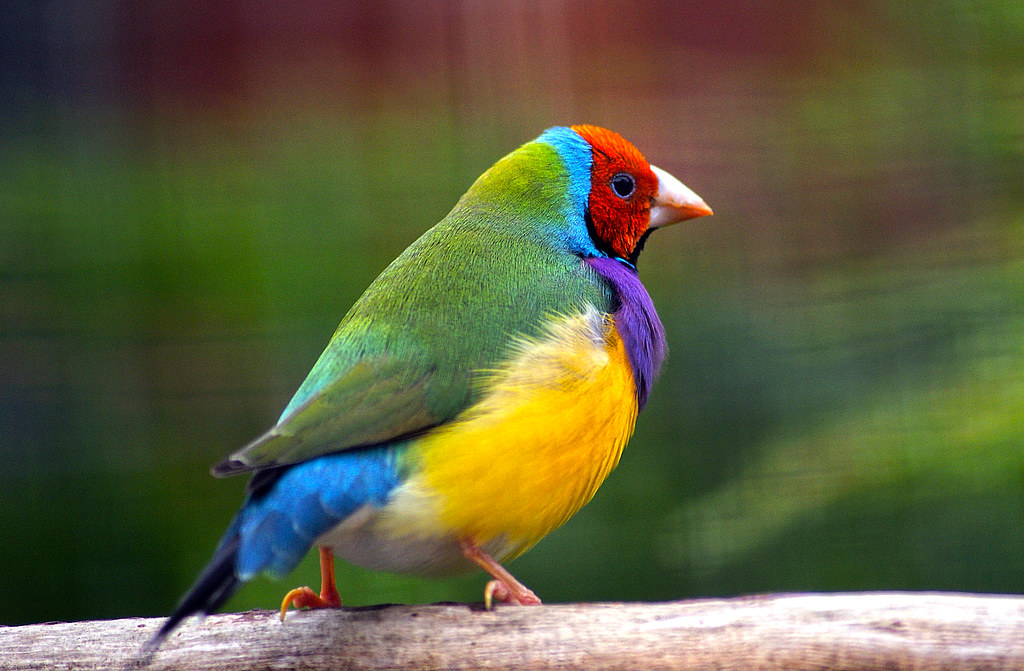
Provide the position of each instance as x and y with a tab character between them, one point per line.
193	194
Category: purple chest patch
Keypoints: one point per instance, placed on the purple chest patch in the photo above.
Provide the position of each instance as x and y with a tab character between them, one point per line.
637	323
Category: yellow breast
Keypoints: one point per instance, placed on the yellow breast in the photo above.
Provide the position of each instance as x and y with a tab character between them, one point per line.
549	429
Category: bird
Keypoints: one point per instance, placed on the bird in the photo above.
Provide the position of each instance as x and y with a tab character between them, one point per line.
477	394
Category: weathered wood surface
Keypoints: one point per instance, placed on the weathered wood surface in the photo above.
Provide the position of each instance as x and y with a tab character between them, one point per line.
798	631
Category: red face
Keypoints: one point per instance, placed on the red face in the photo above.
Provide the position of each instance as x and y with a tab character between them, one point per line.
622	188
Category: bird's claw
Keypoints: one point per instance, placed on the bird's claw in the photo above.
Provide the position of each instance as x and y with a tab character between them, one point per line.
499	591
304	597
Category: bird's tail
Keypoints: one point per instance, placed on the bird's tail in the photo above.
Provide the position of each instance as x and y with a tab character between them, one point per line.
215	585
287	510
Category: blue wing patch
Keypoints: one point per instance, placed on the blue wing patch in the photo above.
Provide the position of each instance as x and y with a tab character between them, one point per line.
276	527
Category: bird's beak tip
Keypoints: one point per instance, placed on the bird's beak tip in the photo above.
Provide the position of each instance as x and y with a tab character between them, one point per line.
675	201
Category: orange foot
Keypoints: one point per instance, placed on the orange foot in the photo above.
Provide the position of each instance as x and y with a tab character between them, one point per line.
304	597
504	587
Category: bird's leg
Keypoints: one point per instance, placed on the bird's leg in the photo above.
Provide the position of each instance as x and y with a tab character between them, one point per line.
504	587
304	597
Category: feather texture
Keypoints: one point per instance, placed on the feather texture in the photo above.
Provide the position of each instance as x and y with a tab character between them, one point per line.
550	427
637	321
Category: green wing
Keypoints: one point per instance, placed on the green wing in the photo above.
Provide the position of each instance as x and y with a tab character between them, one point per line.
406	355
375	401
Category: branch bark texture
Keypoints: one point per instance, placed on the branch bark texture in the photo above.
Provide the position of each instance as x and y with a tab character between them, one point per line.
921	631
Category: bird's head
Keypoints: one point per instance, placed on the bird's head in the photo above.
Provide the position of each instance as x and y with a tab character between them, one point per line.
628	197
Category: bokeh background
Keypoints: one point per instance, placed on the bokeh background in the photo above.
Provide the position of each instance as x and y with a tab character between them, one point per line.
192	195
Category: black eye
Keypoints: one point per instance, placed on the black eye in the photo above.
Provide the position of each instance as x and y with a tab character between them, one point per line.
623	185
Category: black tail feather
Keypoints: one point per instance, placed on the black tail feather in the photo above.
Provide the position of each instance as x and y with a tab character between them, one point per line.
214	586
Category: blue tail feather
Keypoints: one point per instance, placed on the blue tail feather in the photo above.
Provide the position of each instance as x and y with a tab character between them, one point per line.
280	521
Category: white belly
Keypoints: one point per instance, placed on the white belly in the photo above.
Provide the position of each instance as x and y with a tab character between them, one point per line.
381	539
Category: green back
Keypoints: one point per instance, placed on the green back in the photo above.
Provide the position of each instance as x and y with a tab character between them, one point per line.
406	356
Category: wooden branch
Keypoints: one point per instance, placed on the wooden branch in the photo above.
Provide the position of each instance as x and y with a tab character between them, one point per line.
798	631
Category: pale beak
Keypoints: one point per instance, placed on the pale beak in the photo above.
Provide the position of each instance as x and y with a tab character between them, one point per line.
675	202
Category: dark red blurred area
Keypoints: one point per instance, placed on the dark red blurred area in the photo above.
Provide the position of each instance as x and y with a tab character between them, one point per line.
231	52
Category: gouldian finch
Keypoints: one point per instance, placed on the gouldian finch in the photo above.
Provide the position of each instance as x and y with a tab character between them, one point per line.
477	394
